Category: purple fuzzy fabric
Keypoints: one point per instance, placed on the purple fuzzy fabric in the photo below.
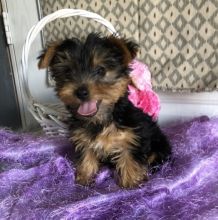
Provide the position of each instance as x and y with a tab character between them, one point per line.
37	180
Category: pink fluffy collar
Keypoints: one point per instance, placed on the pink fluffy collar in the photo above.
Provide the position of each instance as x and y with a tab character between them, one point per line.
140	93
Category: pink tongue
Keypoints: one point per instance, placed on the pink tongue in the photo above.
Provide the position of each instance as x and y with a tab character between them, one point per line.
87	108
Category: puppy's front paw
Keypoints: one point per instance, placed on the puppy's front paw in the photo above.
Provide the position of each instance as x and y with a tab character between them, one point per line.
131	182
87	167
83	179
131	174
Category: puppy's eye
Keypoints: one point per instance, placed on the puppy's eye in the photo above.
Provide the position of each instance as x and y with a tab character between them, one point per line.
100	71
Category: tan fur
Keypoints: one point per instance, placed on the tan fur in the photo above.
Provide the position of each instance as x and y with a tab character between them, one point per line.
110	141
152	158
102	91
109	93
44	62
97	60
87	167
131	173
121	44
66	94
113	142
110	75
81	139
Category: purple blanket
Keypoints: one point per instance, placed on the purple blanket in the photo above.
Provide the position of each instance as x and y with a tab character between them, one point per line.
37	180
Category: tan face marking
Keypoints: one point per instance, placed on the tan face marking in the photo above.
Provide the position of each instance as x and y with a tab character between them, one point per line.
66	94
109	94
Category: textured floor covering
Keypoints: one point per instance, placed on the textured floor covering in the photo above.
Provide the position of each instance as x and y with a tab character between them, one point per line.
37	180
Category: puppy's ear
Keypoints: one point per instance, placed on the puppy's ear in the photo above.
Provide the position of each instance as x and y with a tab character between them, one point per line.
132	47
128	47
47	55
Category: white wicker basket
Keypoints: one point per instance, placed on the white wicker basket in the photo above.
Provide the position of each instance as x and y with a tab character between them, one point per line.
52	117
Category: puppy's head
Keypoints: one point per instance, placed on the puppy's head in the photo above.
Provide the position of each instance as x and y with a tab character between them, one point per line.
91	76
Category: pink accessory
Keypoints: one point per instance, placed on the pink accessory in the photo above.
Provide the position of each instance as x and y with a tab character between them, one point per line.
140	93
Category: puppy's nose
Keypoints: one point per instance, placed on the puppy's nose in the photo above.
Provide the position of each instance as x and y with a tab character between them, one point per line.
82	93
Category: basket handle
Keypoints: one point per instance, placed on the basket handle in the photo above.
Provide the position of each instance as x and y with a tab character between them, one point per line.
33	32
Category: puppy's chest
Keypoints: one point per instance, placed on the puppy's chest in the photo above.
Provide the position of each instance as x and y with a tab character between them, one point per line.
109	141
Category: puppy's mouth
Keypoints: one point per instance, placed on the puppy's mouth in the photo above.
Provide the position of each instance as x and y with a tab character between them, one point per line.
88	108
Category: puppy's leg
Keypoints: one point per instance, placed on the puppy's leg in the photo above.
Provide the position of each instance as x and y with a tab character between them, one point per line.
87	167
130	171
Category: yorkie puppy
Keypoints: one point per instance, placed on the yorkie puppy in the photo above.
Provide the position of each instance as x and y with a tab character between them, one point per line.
92	79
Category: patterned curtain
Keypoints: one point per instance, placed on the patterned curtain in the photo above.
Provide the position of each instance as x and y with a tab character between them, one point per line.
178	38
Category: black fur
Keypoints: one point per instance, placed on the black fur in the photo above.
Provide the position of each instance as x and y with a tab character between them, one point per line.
72	62
125	115
152	140
65	68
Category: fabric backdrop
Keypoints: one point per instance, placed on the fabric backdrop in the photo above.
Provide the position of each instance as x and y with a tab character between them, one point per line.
178	38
